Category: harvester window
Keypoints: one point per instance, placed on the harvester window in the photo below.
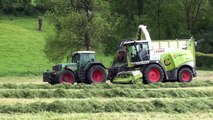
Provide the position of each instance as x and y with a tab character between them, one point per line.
145	46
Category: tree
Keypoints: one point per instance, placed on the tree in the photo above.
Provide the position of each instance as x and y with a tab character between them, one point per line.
79	25
194	11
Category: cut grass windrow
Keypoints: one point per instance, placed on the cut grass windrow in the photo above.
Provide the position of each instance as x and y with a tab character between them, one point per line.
13	101
94	106
105	93
107	85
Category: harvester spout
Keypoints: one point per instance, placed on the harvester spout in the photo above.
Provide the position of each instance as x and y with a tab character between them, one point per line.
143	29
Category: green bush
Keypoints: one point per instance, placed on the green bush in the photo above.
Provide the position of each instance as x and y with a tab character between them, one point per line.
204	60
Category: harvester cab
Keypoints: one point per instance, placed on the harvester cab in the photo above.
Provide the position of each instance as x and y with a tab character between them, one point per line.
157	61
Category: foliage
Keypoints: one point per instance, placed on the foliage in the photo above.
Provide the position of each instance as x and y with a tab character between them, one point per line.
78	26
204	60
16	7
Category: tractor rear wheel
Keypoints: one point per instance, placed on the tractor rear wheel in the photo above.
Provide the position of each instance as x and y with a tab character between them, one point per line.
67	77
153	74
185	75
96	74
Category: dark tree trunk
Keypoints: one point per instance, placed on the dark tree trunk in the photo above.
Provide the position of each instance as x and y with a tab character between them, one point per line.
87	40
140	7
88	7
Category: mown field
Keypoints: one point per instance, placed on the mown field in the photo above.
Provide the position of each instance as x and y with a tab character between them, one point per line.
30	98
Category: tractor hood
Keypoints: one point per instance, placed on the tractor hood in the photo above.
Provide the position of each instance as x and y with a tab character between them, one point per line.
72	66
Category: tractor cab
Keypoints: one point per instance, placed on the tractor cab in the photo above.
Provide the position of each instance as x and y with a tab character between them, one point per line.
82	58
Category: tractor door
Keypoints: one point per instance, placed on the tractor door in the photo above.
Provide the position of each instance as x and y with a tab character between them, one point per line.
85	59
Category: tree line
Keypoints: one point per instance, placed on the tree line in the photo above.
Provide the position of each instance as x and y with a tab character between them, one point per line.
101	24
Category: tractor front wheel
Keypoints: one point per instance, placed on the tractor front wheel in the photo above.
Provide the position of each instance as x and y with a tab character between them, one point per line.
96	74
153	74
185	75
67	77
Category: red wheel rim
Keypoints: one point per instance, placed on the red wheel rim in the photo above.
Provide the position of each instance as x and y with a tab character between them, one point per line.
66	77
97	76
154	75
185	76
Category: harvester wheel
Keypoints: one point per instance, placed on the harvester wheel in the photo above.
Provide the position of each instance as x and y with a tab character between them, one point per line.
152	74
67	77
185	75
96	74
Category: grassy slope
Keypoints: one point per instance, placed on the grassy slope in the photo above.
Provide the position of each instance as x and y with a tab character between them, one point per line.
21	46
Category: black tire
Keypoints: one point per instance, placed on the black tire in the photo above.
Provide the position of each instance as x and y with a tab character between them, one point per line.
152	74
96	74
67	76
185	75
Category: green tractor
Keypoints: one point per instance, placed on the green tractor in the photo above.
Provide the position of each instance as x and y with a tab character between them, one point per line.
158	61
82	67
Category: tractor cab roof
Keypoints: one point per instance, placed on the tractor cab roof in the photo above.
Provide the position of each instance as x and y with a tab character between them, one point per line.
135	41
84	52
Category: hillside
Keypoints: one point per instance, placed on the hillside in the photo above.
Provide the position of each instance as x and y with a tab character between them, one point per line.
21	46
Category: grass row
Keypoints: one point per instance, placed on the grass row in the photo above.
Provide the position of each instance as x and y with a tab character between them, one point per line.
106	85
105	93
94	106
12	101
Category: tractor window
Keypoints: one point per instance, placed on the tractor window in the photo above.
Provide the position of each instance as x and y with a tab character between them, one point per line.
84	60
75	58
92	57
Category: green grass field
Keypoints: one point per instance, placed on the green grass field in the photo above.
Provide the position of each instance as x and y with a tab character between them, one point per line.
29	98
